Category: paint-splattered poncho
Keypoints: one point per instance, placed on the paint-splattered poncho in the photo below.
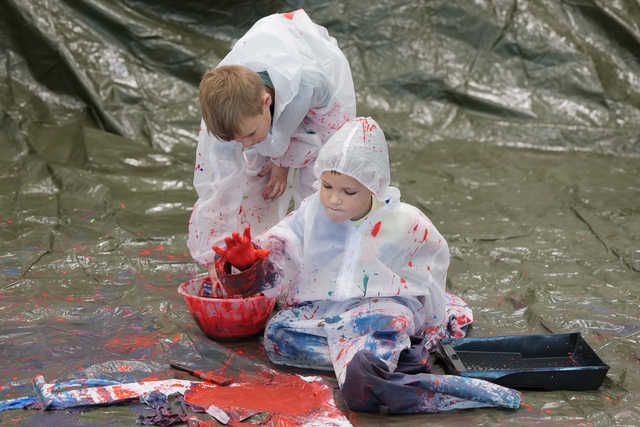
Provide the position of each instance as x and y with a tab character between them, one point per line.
396	250
314	96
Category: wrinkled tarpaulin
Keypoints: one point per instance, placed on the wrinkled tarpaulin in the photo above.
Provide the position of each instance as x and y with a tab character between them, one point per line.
514	125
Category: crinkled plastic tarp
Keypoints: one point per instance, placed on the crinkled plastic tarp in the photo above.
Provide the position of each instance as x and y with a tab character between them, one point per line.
514	125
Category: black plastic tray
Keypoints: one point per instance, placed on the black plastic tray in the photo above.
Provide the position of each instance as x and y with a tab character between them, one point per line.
547	362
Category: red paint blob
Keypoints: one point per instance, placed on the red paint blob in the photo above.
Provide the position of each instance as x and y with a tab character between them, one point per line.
274	392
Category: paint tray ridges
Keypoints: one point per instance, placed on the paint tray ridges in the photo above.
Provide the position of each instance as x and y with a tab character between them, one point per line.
547	361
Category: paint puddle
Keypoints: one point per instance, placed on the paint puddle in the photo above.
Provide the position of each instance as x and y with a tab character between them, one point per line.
289	399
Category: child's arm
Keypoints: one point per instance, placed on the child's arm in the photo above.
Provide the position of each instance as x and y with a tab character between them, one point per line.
324	116
219	180
426	265
285	242
417	257
296	141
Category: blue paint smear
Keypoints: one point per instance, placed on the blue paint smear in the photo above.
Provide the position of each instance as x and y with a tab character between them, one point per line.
297	346
374	322
12	271
332	319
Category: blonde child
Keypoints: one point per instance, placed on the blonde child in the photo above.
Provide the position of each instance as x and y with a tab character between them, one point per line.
267	108
364	278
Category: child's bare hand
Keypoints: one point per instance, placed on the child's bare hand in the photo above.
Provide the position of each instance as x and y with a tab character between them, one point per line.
277	180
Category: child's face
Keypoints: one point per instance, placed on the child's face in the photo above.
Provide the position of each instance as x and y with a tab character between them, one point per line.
254	129
343	197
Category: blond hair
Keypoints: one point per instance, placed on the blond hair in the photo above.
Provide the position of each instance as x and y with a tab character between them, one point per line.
228	94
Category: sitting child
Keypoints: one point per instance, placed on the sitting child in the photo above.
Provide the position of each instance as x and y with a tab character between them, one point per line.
363	276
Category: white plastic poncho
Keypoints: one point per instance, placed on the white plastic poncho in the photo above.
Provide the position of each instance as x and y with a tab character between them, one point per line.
395	250
314	97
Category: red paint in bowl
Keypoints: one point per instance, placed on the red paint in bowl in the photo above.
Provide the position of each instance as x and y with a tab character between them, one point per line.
242	283
226	318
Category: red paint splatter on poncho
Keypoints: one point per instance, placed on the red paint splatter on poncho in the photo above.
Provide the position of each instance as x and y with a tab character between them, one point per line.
376	229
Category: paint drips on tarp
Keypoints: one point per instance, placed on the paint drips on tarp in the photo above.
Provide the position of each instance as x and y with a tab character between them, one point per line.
286	399
289	399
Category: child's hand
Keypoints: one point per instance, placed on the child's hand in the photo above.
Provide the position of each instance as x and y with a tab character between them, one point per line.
240	252
277	180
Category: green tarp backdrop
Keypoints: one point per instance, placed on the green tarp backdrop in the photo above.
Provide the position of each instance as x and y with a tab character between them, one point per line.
514	125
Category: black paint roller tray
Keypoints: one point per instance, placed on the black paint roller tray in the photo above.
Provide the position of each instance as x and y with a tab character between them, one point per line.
544	362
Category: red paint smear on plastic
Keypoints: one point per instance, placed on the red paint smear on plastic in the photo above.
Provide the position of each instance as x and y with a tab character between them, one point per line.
312	314
277	393
131	343
426	233
121	393
376	228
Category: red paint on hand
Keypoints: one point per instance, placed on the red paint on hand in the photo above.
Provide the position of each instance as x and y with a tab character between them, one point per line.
240	252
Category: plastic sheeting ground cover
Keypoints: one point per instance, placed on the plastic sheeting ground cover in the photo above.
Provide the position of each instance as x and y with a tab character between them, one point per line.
514	125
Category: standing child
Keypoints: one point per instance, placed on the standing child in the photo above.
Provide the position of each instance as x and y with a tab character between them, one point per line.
267	107
364	278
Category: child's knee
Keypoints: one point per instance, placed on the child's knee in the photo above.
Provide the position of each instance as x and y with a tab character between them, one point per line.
285	344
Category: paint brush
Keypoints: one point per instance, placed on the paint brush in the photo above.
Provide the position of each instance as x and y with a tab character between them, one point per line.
208	376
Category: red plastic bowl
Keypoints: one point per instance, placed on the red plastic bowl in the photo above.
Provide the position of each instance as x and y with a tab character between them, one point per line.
226	318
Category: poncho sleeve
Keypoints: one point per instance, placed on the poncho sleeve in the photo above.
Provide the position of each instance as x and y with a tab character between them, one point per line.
416	254
285	242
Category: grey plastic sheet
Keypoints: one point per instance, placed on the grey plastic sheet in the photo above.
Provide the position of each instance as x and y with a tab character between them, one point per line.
514	125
